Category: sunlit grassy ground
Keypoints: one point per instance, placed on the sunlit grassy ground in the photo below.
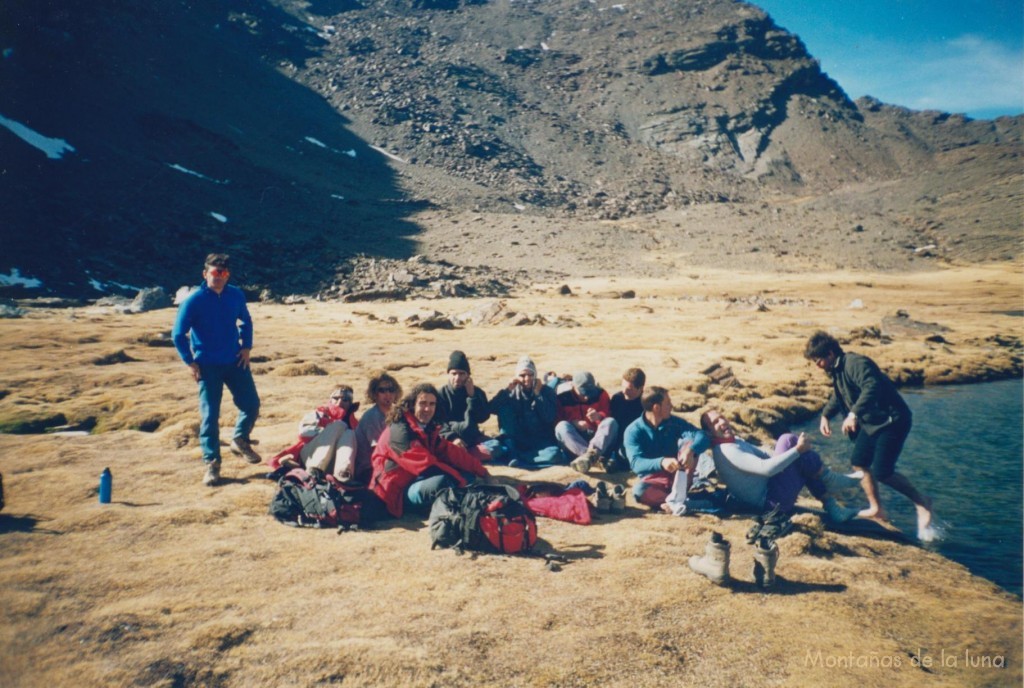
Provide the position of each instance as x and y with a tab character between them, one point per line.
177	584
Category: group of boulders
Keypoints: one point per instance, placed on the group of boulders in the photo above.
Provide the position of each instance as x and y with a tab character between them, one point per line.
363	278
490	313
149	299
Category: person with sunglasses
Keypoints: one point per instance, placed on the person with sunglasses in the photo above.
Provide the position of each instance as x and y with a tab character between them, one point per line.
327	441
382	391
213	335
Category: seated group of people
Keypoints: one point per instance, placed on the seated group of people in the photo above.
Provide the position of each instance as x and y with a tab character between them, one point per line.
409	448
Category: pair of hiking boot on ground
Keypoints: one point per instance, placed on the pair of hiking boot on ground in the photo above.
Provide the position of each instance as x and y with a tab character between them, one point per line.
609	500
767	528
714	564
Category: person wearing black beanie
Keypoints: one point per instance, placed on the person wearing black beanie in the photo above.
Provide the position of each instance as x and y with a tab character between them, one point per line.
462	408
458	361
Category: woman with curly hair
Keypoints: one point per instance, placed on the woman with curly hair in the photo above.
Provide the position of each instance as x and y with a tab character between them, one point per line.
412	463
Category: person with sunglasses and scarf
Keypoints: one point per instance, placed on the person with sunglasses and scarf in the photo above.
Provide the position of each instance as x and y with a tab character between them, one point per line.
327	441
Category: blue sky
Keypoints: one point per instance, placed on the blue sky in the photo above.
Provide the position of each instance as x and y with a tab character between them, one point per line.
951	55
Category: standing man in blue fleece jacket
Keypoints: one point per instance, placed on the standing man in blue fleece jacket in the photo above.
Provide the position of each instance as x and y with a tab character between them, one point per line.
213	335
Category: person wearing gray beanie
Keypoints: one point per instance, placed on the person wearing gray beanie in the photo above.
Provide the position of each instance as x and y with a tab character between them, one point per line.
526	364
586	430
526	410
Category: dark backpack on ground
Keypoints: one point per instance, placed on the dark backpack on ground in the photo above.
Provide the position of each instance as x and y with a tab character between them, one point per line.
484	518
302	501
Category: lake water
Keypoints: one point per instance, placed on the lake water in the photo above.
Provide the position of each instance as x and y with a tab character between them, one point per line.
965	451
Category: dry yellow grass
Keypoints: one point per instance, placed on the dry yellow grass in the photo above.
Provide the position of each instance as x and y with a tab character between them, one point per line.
175	584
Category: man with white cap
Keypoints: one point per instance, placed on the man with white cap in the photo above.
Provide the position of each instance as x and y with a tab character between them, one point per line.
526	411
586	431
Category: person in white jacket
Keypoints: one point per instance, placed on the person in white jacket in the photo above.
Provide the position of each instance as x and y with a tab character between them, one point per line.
760	481
327	441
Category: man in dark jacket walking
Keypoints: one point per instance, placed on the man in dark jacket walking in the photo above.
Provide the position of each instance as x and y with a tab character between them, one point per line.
877	420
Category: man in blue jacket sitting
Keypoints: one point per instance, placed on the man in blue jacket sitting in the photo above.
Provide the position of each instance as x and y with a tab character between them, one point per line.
658	445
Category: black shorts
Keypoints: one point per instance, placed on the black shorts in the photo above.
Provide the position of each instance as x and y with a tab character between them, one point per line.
879	451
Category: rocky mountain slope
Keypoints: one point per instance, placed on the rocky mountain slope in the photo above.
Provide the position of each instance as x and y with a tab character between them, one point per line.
297	134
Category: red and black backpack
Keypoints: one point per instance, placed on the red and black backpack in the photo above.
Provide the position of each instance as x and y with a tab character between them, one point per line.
302	501
485	518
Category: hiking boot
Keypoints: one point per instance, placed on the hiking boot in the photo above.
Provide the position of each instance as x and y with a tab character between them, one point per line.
715	562
618	499
776	530
766	555
836	512
755	531
759	521
618	464
277	473
241	446
212	475
602	500
773	525
584	461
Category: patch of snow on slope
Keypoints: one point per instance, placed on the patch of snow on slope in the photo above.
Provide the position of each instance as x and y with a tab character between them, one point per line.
53	148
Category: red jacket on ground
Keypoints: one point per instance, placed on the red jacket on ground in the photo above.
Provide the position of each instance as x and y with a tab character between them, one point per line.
571	505
396	467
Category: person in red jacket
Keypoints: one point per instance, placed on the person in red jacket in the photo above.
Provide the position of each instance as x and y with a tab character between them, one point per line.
412	463
585	429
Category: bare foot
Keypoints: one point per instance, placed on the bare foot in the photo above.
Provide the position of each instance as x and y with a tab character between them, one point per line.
877	515
924	514
666	508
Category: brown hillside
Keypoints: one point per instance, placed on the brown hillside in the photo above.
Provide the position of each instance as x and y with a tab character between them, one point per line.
326	129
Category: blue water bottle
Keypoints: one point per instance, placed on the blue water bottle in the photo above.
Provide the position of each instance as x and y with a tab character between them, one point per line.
106	486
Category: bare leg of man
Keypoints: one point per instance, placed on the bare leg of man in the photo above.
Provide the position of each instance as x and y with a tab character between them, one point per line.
874	512
922	503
